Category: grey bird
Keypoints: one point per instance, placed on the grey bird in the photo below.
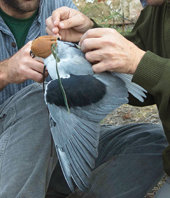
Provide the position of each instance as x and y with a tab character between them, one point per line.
77	100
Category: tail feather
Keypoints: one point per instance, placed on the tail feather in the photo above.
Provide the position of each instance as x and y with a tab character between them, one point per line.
136	90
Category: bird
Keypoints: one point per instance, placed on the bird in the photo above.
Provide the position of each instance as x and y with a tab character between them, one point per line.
77	100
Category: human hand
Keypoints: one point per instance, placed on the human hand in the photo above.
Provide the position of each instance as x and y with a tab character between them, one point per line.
21	66
108	50
68	23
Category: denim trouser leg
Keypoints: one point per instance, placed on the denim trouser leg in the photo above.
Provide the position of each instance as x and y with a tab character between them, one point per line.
129	162
27	158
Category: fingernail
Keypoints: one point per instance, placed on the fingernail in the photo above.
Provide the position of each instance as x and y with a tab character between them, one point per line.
54	30
61	25
56	23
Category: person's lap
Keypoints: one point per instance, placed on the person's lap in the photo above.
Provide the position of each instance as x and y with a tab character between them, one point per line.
129	159
26	155
133	161
128	166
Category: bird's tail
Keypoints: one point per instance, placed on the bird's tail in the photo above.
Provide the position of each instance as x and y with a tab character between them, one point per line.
136	90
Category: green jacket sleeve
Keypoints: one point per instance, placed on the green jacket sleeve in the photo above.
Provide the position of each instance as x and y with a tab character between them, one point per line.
153	74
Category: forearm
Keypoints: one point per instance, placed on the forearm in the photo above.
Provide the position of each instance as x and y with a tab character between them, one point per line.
153	74
3	74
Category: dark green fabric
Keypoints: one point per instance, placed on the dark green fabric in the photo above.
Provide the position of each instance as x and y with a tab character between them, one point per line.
152	34
19	27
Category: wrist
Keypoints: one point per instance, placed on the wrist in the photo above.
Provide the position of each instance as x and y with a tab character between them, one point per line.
138	57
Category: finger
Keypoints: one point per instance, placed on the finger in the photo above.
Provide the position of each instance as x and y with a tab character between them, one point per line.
53	31
50	27
34	75
60	14
70	35
71	22
94	33
49	23
94	56
99	67
106	65
37	66
90	44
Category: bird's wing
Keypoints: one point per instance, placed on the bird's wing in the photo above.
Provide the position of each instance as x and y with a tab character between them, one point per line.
76	142
76	138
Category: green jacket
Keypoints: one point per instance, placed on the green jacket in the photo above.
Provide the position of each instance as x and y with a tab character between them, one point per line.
152	34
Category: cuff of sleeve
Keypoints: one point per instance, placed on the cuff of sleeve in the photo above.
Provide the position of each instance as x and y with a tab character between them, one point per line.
149	70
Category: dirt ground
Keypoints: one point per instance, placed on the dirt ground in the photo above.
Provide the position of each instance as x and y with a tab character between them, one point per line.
130	114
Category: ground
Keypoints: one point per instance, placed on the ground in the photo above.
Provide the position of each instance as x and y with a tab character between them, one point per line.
130	114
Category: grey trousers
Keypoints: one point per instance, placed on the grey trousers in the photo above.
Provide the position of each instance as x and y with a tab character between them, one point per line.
27	158
128	165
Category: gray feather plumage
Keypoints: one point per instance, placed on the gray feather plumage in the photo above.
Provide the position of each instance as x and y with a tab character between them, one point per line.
76	134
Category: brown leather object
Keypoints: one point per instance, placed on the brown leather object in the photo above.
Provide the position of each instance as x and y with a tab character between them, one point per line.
41	46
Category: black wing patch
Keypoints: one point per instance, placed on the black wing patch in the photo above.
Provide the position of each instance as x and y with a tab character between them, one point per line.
80	90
